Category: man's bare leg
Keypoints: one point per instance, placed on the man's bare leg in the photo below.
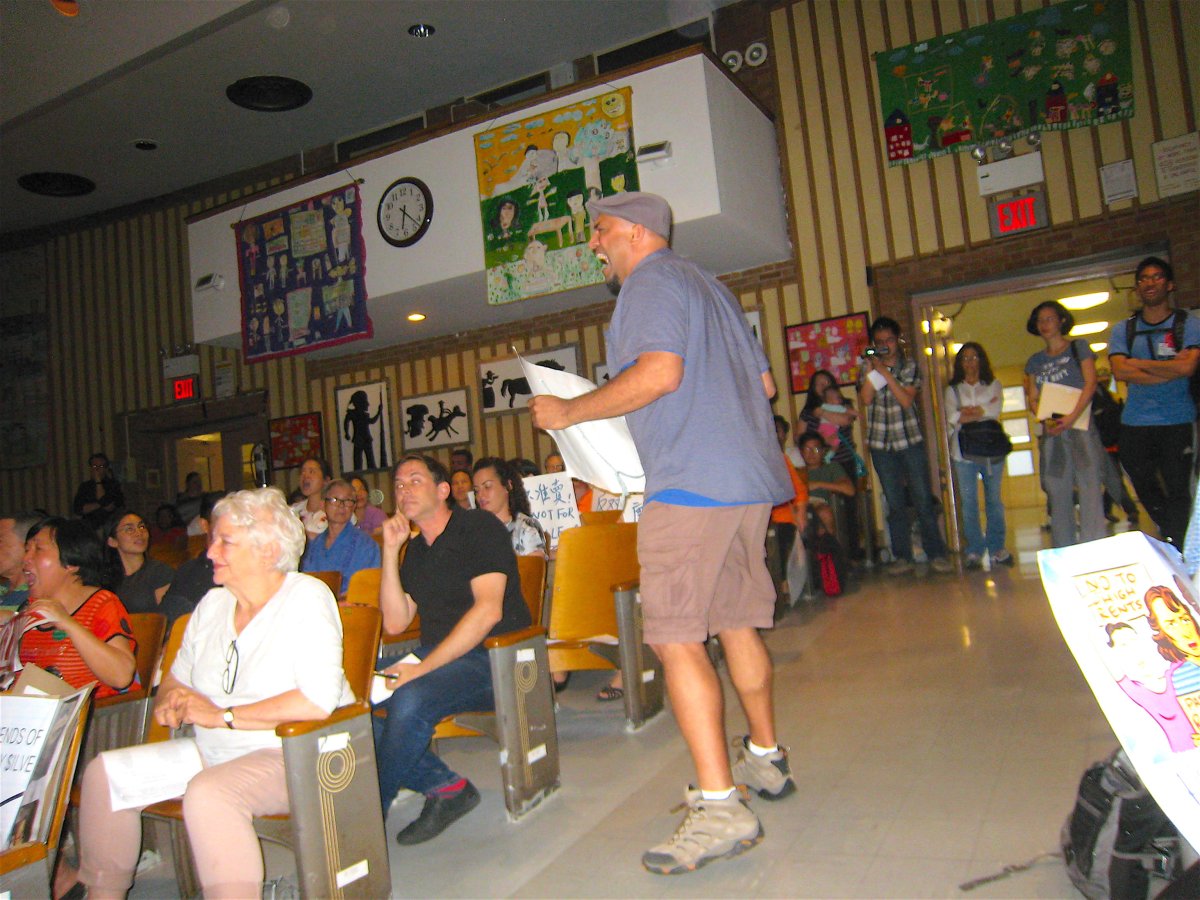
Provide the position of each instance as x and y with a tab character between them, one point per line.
698	703
752	674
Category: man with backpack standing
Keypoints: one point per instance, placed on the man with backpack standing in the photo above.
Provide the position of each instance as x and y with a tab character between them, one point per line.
1155	352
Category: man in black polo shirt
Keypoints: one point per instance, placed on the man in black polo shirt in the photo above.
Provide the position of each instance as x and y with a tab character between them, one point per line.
460	575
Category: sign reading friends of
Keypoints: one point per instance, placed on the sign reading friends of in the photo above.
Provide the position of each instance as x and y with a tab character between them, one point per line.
1129	615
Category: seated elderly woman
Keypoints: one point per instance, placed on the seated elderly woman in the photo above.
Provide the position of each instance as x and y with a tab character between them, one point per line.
141	581
498	489
342	547
262	648
84	635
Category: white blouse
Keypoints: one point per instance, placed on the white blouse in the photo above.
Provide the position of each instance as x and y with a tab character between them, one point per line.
988	396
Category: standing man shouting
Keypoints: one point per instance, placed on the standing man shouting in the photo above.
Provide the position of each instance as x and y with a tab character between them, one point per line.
1155	352
694	385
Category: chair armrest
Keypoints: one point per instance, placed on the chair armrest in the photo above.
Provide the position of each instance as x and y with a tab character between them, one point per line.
117	699
513	637
21	855
341	714
625	586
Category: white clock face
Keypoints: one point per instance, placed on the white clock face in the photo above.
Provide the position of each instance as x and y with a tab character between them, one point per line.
405	212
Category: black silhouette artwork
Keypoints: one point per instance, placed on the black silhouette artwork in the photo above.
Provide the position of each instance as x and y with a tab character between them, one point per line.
356	428
443	422
511	387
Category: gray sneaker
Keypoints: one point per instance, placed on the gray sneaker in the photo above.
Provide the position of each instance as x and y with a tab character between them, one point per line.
898	567
712	829
769	776
941	565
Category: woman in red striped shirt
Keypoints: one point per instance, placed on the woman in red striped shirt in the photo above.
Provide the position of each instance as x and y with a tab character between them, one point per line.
82	632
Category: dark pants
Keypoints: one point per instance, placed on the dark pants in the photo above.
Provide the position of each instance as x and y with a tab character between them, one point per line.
402	739
898	470
1158	460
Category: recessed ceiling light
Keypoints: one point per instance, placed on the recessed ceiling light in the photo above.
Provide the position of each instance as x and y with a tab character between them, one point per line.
1089	328
56	184
421	30
1098	346
145	144
416	317
269	93
1084	301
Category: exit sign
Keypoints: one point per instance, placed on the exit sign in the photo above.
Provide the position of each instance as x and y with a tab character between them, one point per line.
184	388
1017	215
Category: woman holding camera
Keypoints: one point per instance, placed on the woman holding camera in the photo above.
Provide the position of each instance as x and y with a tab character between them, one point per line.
1072	459
975	395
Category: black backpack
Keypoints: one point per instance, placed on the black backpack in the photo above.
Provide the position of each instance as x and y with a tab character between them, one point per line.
1106	409
1117	836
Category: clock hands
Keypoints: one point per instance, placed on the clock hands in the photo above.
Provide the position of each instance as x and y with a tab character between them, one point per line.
404	215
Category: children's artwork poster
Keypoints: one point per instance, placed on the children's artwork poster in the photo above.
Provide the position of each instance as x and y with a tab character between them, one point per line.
24	391
835	345
302	273
535	177
503	387
364	428
294	438
1050	69
552	504
1129	614
435	420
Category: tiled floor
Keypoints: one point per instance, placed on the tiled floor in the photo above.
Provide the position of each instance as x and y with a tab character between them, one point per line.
938	727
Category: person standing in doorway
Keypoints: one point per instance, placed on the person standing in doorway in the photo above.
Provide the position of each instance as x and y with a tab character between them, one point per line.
687	368
1155	352
888	390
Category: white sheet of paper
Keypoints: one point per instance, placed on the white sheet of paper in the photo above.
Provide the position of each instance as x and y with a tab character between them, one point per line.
1061	399
601	452
149	773
877	379
379	689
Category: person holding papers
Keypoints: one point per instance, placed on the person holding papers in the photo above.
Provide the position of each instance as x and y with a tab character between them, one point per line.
1059	384
262	648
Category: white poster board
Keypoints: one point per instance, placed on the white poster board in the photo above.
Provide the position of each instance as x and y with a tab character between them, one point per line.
1126	610
552	503
1177	164
631	504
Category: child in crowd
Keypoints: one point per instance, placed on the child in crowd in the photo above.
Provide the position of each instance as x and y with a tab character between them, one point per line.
834	402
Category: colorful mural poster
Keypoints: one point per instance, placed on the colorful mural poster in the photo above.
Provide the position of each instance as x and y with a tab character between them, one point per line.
1128	613
302	273
835	345
1064	66
535	176
294	438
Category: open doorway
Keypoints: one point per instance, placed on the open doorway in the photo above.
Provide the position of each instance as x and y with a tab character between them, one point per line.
1099	290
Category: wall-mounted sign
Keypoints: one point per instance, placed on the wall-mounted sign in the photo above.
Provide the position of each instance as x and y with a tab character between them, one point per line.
1017	215
185	388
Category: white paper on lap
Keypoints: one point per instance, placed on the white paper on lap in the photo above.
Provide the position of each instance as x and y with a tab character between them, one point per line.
1097	592
149	773
600	452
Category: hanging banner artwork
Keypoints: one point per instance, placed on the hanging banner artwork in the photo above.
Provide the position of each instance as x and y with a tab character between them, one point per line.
302	273
535	176
1065	66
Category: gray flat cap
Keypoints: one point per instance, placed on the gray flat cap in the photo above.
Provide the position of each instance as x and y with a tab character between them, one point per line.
648	210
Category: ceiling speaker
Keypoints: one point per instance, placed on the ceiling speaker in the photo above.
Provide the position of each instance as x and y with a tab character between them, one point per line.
756	54
733	60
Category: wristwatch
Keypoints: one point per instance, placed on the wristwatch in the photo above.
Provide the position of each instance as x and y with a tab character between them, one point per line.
228	717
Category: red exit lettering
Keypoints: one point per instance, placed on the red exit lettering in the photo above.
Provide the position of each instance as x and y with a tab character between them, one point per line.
1016	215
185	388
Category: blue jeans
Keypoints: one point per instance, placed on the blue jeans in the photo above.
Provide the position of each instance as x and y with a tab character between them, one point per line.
898	469
969	473
402	739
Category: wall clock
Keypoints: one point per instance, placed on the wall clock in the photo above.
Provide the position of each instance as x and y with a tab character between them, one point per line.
405	211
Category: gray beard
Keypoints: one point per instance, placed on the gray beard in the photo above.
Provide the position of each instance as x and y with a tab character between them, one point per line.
614	285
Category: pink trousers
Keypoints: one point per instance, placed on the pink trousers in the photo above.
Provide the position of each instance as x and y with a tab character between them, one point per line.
218	808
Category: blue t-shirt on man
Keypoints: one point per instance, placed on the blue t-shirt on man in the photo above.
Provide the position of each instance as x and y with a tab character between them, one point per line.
1169	403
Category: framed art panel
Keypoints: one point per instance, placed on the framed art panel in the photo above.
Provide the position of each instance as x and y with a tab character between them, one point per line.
293	438
435	420
502	384
599	373
833	344
364	426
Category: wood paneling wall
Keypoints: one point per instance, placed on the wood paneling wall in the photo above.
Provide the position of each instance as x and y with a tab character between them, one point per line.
118	292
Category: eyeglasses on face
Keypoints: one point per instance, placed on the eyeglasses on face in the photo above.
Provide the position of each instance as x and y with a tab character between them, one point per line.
229	676
132	528
343	501
1151	276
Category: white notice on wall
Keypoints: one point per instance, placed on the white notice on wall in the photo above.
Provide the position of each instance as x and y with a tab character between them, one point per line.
1119	181
1177	164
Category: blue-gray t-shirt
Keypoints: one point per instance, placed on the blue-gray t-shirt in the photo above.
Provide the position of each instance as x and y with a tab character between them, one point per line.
712	441
1169	403
1062	368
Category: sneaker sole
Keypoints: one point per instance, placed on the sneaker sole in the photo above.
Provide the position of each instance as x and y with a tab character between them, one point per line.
736	850
787	790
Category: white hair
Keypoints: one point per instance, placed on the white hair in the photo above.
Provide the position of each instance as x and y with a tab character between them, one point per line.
268	521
